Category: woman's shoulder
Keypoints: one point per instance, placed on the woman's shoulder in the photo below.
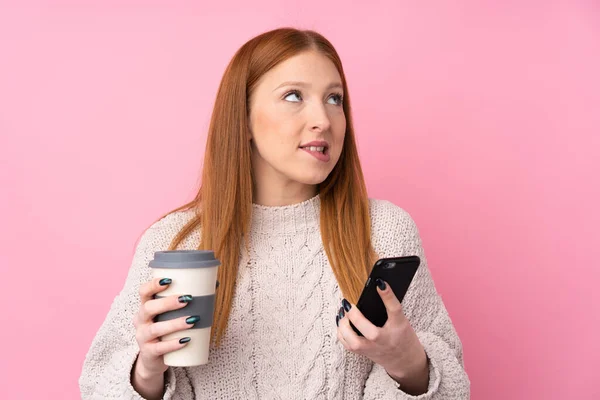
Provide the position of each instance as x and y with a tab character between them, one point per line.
393	229
175	220
385	213
165	229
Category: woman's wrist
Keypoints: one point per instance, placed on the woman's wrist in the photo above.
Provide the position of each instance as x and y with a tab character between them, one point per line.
148	385
413	378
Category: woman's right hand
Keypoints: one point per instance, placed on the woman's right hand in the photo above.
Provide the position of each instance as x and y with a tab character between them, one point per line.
150	363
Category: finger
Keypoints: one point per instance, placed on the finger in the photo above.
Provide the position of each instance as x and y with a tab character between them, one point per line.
157	329
341	339
366	327
391	302
149	289
152	308
354	342
161	348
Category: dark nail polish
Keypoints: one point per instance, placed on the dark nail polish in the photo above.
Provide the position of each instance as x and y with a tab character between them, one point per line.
185	339
381	284
346	305
192	320
341	313
337	320
217	286
185	298
165	281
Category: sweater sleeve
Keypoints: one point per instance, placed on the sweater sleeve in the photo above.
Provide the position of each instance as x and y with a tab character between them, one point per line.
429	318
109	361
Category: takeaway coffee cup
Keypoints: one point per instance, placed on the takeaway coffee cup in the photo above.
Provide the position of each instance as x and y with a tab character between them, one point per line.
193	272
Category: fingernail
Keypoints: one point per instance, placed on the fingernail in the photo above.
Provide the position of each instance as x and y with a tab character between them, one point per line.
341	313
337	320
165	281
186	298
192	320
380	283
185	339
346	305
217	285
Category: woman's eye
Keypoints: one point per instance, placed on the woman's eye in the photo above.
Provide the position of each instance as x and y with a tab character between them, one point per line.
293	97
337	99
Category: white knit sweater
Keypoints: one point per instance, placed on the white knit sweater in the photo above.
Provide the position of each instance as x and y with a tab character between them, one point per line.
281	340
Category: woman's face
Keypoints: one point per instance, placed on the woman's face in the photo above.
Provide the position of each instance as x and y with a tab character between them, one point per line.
297	124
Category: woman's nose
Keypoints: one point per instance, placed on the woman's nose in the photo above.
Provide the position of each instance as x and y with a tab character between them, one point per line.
319	120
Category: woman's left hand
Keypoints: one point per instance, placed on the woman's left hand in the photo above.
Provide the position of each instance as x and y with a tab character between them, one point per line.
395	346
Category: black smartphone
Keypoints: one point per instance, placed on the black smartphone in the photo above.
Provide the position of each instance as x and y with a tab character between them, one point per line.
398	273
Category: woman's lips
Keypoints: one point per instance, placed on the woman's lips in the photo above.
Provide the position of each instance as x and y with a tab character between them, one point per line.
319	155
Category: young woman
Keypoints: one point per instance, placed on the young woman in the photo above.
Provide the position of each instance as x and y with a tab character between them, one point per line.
283	204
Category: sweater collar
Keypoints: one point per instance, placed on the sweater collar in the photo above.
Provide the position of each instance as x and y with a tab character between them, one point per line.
286	220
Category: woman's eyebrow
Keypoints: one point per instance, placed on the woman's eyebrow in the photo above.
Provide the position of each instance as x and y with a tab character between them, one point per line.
332	85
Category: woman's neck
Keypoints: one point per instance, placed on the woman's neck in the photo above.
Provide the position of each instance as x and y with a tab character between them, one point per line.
283	195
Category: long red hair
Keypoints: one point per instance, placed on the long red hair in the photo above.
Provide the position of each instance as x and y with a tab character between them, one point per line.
223	204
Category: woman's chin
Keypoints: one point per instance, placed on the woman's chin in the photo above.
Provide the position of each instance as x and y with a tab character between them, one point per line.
312	179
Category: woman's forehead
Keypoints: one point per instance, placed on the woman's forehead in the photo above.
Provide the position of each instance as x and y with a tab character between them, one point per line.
311	70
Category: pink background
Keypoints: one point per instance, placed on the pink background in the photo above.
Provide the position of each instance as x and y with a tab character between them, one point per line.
482	119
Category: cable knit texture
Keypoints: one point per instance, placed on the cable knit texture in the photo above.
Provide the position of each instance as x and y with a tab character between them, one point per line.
281	340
